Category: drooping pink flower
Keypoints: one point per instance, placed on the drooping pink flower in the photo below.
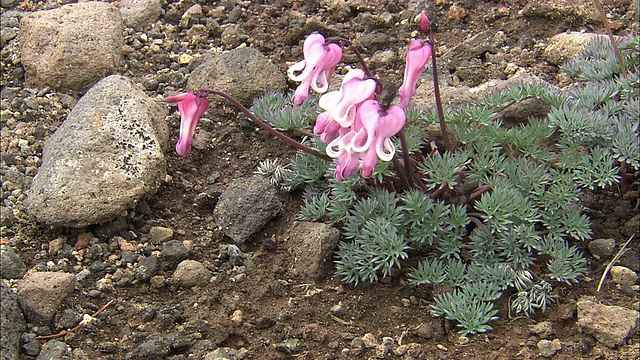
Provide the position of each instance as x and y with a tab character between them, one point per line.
316	70
348	160
191	108
417	58
341	104
301	94
367	139
387	124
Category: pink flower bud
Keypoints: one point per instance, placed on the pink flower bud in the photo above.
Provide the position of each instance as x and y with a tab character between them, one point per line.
424	21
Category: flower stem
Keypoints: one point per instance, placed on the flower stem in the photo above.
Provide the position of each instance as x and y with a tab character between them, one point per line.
436	91
266	126
342	42
604	19
408	172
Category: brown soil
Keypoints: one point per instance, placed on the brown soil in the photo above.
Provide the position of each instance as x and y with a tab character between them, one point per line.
276	305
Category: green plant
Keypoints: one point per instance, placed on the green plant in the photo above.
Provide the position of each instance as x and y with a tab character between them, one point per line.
471	306
506	196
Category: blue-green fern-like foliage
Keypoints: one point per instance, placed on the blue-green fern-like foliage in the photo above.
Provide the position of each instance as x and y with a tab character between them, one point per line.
506	199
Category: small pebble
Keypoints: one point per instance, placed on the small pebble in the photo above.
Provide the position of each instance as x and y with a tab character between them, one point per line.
56	245
381	351
425	331
401	350
94	294
83	274
336	309
160	234
602	248
237	317
369	340
388	341
83	240
623	275
239	278
290	346
125	245
547	348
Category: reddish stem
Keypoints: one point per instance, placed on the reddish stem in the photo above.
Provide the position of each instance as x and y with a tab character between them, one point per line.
436	92
356	52
604	19
266	126
408	171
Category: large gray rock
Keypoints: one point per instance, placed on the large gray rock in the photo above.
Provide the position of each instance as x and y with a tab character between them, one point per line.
43	292
570	11
312	245
12	323
138	14
106	155
566	46
610	325
243	73
73	46
11	266
470	49
54	350
246	206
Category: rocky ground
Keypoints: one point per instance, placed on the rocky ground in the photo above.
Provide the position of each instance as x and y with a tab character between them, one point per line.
180	280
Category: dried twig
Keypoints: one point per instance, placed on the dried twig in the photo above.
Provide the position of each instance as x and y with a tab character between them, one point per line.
613	261
343	322
86	320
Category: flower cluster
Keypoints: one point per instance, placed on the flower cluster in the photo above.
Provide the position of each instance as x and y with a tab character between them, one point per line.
355	126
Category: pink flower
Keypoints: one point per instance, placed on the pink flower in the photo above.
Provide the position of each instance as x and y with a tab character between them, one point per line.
367	140
191	107
386	125
301	94
348	159
326	127
417	58
316	70
341	104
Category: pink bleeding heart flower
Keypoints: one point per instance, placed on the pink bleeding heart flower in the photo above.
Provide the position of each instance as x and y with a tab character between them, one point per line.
341	104
191	108
417	58
367	140
348	159
348	164
316	70
388	124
